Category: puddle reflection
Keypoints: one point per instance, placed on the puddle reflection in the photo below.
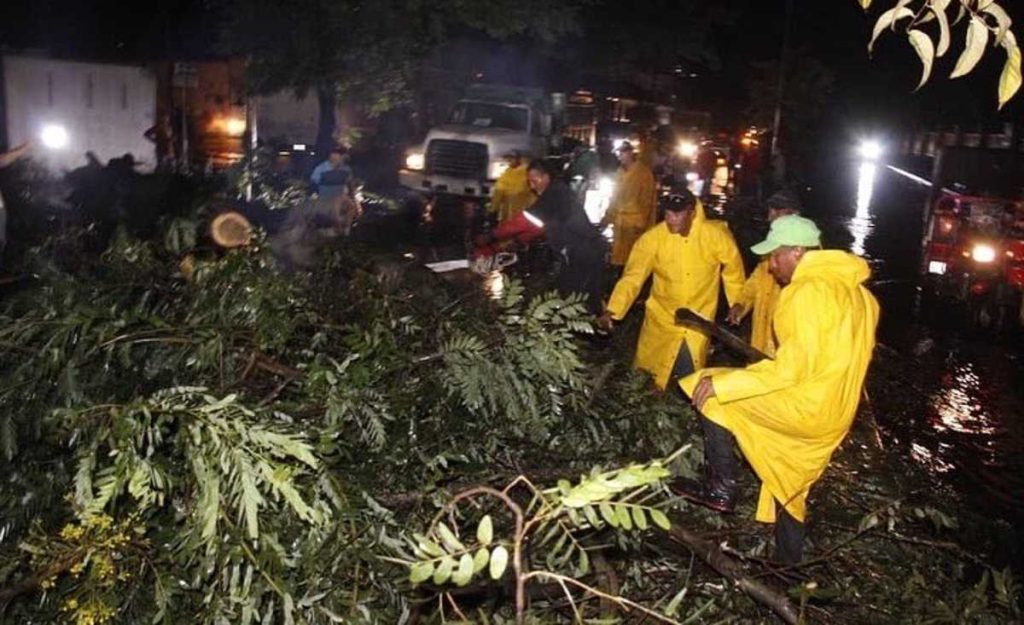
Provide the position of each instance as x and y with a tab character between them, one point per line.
862	224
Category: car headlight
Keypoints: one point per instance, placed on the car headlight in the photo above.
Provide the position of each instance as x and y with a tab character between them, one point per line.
983	253
688	149
497	169
871	150
414	160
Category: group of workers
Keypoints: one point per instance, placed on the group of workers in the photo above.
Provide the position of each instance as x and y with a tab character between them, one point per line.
812	317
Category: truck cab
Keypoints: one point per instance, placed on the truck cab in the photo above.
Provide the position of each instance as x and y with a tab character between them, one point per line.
465	156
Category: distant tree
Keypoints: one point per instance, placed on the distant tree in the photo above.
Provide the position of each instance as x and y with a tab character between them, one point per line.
368	52
809	85
986	20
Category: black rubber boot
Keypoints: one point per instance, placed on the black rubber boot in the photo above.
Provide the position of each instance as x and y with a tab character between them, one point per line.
718	490
789	537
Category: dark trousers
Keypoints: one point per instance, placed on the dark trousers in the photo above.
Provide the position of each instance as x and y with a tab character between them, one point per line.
722	464
584	274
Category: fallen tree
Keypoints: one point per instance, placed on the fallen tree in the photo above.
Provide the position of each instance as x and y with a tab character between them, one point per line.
229	444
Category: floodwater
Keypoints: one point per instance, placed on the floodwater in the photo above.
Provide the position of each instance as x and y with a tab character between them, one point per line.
952	396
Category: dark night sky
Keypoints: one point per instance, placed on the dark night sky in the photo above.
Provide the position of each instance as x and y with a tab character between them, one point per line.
868	91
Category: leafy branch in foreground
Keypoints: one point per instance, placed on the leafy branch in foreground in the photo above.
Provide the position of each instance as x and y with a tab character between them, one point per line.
986	20
554	520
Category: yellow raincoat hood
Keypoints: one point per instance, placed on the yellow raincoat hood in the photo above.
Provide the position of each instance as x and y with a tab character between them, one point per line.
789	414
686	271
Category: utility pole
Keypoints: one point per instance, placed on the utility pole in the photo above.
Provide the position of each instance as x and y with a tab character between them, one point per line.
780	91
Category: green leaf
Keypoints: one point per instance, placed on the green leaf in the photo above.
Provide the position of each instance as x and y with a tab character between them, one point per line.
925	50
444	570
485	531
673	606
428	546
625	519
977	40
448	538
660	519
592	518
608	513
499	561
583	565
421	572
886	20
639	518
1010	80
480	560
464	573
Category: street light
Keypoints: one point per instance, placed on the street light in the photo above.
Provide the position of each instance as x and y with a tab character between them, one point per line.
54	136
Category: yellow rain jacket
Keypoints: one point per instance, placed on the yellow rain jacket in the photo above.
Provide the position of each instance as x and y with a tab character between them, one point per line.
686	274
790	414
633	209
511	194
761	293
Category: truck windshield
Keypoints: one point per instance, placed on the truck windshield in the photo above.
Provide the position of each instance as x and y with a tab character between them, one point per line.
487	115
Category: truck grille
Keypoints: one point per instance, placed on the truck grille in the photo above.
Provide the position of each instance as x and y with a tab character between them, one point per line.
462	159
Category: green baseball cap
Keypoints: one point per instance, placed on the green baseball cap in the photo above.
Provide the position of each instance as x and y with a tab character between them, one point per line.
789	231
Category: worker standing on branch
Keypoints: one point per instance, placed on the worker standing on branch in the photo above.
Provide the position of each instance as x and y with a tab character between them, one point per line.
789	414
687	255
512	193
633	209
761	292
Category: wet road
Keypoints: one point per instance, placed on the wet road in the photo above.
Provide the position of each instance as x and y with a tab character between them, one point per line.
952	396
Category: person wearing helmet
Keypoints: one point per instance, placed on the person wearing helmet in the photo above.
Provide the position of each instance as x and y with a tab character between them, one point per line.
688	257
633	208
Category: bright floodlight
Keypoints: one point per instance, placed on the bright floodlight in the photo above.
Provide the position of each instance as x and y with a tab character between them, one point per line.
871	150
54	136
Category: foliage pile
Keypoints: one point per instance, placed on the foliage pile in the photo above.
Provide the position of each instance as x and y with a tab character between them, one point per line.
212	441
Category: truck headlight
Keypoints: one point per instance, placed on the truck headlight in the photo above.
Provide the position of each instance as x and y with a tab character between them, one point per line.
496	169
414	161
983	253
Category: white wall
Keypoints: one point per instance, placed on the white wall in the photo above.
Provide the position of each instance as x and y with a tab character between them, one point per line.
104	108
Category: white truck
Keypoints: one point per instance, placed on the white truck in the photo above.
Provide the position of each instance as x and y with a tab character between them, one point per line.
467	155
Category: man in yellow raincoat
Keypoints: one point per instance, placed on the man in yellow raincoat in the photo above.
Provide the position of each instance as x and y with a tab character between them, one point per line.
789	414
687	255
512	194
633	208
761	292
